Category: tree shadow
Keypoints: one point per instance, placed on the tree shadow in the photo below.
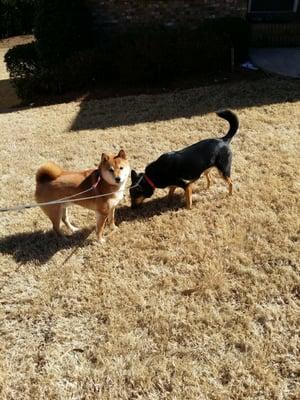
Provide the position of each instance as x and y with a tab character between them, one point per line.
115	104
196	101
8	96
40	246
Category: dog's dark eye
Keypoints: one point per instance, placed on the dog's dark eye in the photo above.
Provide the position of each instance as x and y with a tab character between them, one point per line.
111	169
121	167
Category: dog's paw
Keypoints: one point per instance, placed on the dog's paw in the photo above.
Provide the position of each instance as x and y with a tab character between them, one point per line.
114	227
74	229
196	197
102	240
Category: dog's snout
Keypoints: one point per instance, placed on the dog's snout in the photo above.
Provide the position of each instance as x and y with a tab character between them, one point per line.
118	179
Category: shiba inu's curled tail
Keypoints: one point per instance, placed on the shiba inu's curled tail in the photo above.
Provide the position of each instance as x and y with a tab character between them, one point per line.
233	122
48	172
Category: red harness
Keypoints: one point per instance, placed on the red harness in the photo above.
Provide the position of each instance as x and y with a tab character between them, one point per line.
149	181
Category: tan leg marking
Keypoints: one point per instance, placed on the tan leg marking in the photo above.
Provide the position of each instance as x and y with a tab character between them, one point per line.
139	200
66	221
54	213
188	196
101	219
208	178
111	219
171	192
229	182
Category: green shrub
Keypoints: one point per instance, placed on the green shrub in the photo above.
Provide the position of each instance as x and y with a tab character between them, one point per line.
16	17
59	58
32	78
157	53
160	53
62	28
138	54
75	72
22	64
236	30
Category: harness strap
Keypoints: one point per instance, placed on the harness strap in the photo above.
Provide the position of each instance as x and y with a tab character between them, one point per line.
97	182
149	181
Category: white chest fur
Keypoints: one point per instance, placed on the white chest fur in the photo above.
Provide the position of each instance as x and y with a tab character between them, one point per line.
117	197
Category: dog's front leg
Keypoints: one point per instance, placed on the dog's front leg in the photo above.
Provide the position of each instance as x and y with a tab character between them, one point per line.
187	187
208	178
170	194
188	196
111	219
101	219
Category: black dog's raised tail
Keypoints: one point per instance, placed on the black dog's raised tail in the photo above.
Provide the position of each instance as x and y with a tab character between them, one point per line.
233	121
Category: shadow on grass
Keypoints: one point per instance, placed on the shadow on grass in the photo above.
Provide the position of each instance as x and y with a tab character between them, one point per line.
96	113
114	105
8	96
150	208
40	246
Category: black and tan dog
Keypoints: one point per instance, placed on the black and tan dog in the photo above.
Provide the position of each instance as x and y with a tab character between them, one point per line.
182	168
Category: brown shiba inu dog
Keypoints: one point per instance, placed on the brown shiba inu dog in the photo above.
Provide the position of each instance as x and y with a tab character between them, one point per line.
109	179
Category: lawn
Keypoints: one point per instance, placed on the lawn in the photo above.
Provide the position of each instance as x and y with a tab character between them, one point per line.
177	304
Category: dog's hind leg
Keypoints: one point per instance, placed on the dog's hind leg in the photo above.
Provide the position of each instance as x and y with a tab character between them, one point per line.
54	213
66	221
229	183
228	180
208	178
187	187
224	167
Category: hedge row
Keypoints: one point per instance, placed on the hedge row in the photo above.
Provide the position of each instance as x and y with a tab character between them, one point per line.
160	53
148	54
16	17
55	61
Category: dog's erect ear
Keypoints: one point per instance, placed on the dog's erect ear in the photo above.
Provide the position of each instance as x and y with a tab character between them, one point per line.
104	157
122	154
134	175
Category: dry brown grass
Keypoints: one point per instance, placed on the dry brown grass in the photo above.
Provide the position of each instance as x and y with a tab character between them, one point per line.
200	304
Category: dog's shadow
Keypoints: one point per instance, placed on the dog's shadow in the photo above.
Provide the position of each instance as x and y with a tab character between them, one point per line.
149	209
40	246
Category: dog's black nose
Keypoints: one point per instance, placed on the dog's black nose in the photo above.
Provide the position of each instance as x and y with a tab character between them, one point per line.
118	179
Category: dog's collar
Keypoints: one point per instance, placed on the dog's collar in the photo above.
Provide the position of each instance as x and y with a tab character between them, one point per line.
149	181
